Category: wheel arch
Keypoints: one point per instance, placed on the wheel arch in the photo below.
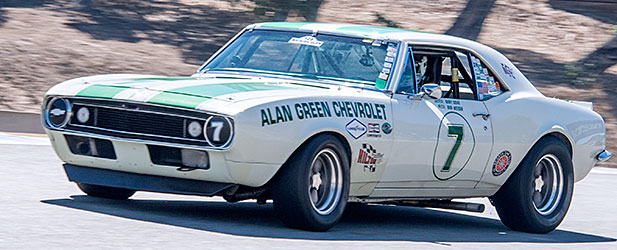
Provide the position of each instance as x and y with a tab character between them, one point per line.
559	135
337	135
555	132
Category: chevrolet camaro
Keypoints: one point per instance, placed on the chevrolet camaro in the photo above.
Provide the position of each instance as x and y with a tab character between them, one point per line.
314	116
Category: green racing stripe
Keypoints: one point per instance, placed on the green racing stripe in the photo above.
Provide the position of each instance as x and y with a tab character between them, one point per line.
285	25
191	97
101	91
361	30
368	30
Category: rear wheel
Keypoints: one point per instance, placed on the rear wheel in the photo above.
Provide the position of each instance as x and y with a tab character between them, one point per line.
537	196
311	190
106	192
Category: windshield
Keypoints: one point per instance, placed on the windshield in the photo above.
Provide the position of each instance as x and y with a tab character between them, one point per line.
299	54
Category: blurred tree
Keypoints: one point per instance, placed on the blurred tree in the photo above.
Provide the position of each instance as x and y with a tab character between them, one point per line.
389	23
2	20
281	10
469	22
587	69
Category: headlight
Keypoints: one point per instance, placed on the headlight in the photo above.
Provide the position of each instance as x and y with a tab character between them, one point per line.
83	114
195	129
58	112
218	131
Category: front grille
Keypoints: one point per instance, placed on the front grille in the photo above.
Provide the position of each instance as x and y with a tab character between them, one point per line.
136	121
139	122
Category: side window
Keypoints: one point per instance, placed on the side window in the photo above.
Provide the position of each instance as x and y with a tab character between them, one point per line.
405	85
488	86
445	68
465	82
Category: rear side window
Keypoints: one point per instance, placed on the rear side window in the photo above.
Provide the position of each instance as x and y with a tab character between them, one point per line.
487	84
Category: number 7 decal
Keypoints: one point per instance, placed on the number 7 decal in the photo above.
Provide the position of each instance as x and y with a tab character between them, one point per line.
218	126
454	130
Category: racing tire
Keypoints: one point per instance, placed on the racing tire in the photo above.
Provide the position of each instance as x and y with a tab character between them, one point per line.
106	192
311	191
537	196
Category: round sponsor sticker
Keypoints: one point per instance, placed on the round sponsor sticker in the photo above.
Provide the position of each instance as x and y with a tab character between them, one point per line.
386	128
501	163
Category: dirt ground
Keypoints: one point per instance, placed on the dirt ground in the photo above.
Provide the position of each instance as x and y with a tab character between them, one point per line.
568	49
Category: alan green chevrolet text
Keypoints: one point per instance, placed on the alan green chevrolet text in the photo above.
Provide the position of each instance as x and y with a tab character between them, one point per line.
315	115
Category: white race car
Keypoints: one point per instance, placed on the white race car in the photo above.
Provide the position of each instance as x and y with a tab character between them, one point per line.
314	116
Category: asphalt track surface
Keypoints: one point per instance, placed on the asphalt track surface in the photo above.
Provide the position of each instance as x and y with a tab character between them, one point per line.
40	209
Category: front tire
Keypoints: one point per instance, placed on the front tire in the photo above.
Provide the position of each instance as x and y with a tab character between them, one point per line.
106	192
537	196
312	188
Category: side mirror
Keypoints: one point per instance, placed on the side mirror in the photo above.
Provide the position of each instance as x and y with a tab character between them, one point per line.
429	90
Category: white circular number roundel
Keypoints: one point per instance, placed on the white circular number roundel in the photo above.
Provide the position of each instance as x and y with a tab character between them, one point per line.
455	145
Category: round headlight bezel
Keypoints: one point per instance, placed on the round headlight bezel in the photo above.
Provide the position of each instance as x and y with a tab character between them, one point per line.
49	109
227	122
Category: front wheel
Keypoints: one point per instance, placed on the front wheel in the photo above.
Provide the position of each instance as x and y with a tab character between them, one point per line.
106	192
537	196
312	188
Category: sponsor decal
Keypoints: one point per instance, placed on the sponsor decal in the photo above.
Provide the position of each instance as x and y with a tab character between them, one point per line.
374	130
507	70
320	109
281	114
306	40
449	105
382	79
355	128
501	163
386	128
368	157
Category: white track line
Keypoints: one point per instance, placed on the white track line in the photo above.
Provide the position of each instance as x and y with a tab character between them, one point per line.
23	140
603	170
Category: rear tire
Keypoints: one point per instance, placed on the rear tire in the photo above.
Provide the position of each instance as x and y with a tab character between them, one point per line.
312	188
106	192
537	196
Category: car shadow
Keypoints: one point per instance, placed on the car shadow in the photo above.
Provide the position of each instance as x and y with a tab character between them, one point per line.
360	222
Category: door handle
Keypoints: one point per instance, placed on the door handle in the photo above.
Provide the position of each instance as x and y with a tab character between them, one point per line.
485	116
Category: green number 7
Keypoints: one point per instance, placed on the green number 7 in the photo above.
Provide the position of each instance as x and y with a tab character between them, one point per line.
454	130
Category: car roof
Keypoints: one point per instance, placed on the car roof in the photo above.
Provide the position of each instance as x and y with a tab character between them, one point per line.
495	60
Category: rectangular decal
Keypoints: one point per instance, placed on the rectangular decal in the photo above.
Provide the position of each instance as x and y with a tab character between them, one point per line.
374	130
306	40
322	109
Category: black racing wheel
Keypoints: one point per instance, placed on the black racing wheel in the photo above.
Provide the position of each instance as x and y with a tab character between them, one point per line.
312	188
537	196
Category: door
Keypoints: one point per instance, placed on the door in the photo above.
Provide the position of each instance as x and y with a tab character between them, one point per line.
440	143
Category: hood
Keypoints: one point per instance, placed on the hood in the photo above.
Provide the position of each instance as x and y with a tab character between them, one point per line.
187	92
